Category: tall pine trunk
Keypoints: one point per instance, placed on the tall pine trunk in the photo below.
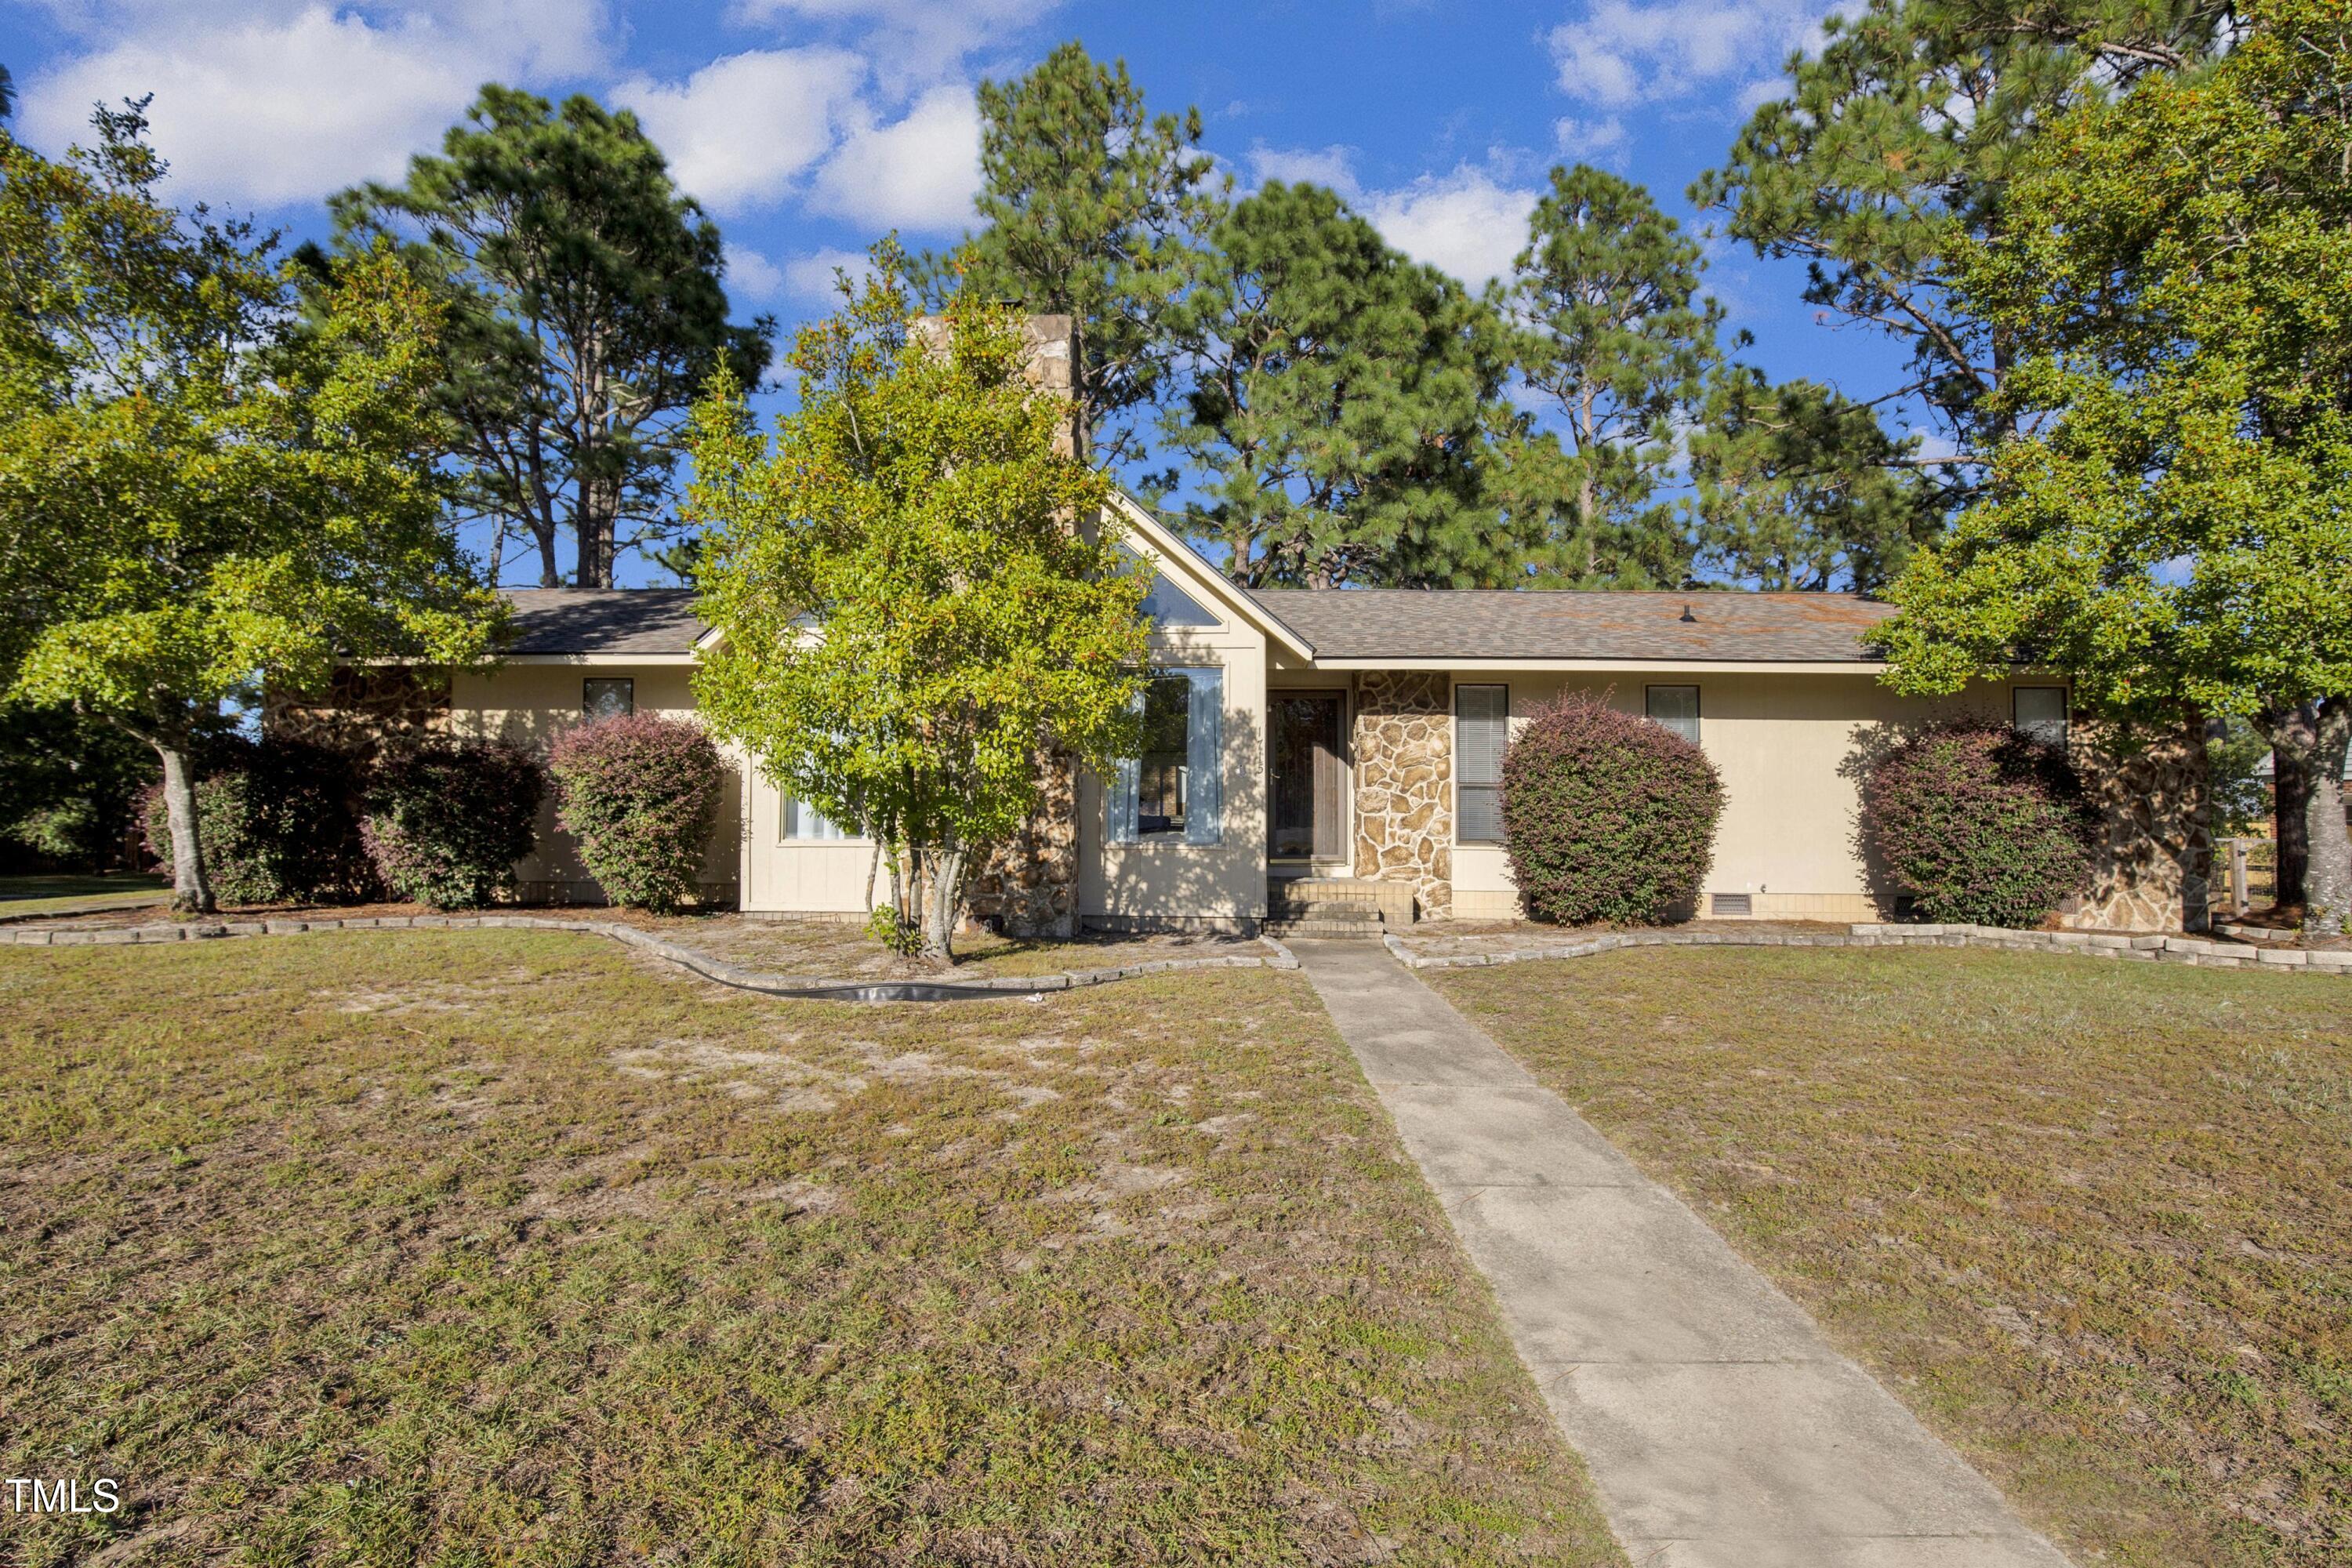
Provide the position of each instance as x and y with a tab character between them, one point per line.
192	891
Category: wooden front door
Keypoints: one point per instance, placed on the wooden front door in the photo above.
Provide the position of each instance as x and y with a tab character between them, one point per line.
1304	811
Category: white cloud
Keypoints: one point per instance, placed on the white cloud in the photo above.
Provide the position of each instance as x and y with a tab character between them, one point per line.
910	42
740	129
1467	222
288	102
920	172
1623	52
1588	139
809	277
1333	166
751	275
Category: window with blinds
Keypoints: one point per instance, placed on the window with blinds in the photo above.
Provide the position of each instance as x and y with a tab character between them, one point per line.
1482	728
801	821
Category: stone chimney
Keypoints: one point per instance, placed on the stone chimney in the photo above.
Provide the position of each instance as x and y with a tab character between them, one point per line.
1052	344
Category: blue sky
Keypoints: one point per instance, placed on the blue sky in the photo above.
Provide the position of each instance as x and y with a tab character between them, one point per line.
810	126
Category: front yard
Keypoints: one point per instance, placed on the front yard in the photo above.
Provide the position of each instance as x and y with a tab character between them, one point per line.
2092	1220
507	1246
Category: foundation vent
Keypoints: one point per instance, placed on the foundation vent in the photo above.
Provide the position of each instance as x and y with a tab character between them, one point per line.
1721	904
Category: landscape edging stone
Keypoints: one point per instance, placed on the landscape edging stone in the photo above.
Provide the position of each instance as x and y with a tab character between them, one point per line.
815	988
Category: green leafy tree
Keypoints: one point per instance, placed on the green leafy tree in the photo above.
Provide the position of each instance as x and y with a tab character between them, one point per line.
1089	202
1798	488
585	309
1343	404
910	618
197	492
1612	329
1894	149
72	781
2177	536
7	93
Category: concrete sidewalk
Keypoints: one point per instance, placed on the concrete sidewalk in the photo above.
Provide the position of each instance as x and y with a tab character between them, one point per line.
1721	1428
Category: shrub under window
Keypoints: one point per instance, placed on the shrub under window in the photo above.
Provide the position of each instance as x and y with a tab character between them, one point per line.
448	822
641	794
1978	825
1606	815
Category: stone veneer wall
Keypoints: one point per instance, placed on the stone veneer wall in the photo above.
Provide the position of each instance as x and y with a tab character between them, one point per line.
1029	884
2155	858
363	710
1403	748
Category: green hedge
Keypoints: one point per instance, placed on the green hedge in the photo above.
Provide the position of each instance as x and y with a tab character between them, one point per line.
640	792
1978	825
1606	815
447	823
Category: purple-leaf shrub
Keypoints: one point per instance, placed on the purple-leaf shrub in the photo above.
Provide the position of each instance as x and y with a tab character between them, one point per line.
447	821
278	820
640	792
1606	815
1981	824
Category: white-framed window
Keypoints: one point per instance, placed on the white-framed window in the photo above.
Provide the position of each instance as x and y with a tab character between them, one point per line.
1482	729
1168	792
2039	711
1676	707
608	698
801	821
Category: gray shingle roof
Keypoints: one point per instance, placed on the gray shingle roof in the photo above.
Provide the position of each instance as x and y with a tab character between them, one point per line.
1348	623
603	620
1415	623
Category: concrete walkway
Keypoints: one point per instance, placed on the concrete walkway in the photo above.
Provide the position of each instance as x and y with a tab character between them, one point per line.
1720	1427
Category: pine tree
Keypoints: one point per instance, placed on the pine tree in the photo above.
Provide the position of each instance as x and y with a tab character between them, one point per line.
1895	147
1089	201
585	306
1797	488
1612	330
1342	407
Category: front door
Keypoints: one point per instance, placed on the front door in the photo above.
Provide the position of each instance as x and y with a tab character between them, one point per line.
1305	809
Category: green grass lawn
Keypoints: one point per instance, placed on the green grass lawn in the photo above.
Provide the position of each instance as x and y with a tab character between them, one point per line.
41	895
2092	1220
505	1246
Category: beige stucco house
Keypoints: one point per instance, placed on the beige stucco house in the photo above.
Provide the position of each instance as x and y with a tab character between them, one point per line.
1348	735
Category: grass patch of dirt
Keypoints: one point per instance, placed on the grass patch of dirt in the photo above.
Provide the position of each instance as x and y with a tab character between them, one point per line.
498	1247
2092	1220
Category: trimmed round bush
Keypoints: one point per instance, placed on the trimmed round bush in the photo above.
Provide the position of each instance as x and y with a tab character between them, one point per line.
1981	824
1606	816
447	821
640	792
279	821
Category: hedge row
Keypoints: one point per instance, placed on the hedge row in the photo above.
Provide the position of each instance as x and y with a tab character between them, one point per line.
444	824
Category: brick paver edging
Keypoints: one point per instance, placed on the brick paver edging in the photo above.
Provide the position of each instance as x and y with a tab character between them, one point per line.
817	988
2148	948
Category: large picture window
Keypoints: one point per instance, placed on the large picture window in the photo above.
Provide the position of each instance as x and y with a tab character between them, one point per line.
1168	790
1482	729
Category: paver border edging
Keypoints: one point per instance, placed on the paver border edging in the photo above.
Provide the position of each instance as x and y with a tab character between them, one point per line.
808	987
2086	944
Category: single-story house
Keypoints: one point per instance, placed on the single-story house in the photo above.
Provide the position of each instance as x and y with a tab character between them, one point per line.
1349	734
